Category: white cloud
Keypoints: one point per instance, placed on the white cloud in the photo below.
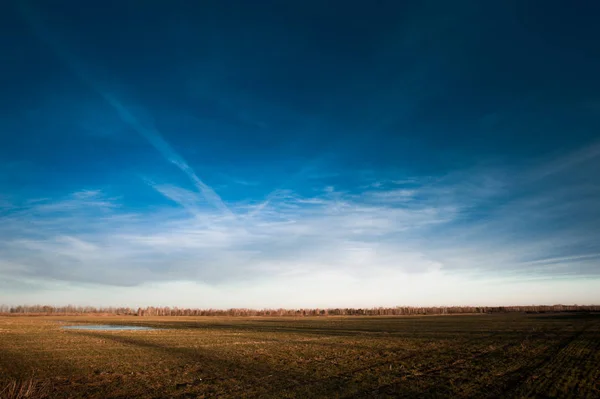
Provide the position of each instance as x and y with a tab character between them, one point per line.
464	226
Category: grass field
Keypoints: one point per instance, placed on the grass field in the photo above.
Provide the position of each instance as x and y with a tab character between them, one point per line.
503	356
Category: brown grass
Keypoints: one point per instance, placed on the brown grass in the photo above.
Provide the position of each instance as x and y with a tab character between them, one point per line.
29	388
486	356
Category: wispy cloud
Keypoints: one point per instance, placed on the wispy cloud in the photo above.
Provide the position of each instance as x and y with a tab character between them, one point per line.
400	195
143	126
154	137
566	162
476	223
243	182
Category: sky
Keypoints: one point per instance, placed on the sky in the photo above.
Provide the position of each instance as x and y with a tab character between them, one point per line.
305	153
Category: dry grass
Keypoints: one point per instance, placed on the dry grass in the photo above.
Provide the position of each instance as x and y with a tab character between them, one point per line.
504	356
29	388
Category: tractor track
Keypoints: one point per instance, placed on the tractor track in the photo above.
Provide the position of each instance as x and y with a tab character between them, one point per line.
522	377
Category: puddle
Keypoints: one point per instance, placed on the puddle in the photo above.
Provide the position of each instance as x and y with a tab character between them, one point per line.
106	327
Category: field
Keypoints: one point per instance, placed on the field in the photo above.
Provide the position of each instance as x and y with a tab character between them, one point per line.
499	356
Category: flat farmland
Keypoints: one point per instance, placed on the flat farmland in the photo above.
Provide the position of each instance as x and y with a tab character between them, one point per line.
481	356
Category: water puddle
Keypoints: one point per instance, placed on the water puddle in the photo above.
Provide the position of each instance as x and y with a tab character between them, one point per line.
106	327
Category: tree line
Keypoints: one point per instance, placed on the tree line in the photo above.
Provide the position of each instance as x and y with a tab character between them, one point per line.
376	311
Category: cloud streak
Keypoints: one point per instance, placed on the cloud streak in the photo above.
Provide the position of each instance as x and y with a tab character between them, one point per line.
144	128
154	137
456	225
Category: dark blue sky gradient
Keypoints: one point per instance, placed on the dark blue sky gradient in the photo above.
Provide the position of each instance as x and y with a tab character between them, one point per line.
454	100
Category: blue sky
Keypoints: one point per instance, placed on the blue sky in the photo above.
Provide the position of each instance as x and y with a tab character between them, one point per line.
304	153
